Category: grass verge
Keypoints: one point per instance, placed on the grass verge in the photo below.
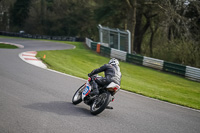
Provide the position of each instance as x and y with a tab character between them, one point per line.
7	46
152	83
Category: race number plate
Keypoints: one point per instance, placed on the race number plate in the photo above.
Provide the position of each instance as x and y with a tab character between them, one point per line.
86	90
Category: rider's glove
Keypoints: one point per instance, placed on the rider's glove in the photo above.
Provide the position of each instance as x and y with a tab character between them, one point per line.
89	74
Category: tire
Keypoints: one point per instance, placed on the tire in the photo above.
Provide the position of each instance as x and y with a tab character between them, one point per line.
100	103
77	98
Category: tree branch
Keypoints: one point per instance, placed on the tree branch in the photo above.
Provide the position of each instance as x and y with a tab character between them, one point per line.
128	3
131	5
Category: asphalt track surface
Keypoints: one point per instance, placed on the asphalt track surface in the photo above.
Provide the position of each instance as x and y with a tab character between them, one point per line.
35	100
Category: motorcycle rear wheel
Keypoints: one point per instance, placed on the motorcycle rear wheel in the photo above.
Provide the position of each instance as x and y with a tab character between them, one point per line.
77	98
100	103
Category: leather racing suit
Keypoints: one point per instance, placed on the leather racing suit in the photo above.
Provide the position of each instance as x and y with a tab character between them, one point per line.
112	74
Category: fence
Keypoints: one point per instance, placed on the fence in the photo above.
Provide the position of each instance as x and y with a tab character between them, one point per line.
153	63
115	38
174	68
118	54
105	51
191	73
136	59
59	38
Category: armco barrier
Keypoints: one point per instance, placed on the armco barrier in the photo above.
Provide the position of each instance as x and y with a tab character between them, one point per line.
24	35
94	46
137	59
153	63
174	68
88	42
105	51
118	54
192	73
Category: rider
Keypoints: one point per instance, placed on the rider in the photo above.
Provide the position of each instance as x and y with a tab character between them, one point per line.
112	74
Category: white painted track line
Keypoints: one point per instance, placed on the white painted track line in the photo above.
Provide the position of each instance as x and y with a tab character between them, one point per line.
30	58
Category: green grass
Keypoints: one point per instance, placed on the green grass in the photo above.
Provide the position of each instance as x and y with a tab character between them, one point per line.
7	46
152	83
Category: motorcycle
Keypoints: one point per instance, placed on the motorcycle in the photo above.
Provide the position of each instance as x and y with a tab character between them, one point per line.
99	102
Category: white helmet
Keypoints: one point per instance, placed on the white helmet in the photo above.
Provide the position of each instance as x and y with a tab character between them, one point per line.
114	61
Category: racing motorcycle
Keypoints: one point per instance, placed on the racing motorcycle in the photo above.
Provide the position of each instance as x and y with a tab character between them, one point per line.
99	102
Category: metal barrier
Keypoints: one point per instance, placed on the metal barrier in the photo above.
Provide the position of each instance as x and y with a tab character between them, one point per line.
137	59
94	46
153	63
174	68
88	42
118	54
191	73
105	51
24	35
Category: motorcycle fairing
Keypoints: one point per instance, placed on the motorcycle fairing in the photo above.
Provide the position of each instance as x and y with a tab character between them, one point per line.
87	90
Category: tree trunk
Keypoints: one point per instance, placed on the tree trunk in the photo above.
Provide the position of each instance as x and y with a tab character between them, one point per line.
151	44
131	20
140	32
153	30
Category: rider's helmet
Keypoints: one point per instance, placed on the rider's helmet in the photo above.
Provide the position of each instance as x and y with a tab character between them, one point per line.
114	61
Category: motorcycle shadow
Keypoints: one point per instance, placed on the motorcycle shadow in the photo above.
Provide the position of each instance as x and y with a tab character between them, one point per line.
61	108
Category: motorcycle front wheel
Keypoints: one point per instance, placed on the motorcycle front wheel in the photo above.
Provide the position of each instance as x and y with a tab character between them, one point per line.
100	103
77	98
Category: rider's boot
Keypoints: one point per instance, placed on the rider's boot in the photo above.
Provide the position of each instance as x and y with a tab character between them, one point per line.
95	90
